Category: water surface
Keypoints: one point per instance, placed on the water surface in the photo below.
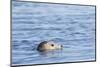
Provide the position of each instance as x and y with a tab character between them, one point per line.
73	26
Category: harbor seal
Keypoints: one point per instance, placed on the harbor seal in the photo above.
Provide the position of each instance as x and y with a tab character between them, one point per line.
48	45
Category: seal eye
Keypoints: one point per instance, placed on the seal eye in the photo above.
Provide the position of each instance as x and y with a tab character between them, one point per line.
52	45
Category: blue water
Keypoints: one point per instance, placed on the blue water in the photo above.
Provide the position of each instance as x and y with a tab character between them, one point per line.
73	26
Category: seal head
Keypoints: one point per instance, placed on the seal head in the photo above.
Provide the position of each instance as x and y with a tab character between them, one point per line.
48	45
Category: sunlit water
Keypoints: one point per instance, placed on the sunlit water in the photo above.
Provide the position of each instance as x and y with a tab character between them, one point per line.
73	26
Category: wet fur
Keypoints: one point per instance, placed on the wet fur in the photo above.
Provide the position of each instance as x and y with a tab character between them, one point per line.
41	45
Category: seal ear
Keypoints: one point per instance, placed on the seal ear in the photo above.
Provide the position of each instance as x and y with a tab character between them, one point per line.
41	45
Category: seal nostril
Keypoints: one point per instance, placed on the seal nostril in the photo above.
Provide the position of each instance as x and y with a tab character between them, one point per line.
61	46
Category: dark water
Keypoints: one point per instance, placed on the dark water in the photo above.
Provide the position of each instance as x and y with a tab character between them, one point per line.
73	26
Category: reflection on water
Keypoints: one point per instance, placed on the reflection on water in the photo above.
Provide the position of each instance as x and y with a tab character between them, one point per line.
73	26
51	53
